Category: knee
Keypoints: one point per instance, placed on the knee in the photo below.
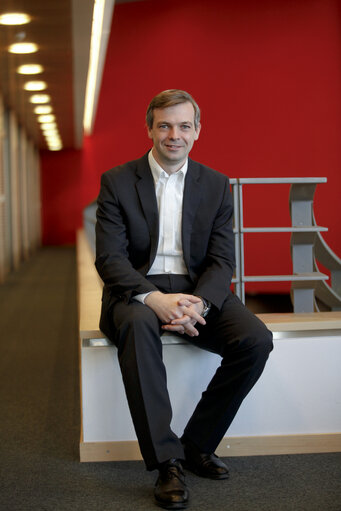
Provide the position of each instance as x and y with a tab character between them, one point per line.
137	332
138	317
262	341
268	341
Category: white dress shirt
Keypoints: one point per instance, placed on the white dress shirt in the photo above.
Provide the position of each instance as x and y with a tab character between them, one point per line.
169	191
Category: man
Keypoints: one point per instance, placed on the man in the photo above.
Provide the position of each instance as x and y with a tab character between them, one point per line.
165	251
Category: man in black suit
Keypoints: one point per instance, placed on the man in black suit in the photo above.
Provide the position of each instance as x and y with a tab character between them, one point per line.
165	251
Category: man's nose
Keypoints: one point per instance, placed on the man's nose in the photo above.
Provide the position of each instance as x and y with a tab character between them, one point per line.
174	133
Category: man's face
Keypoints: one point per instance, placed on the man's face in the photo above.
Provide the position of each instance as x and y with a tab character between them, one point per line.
173	134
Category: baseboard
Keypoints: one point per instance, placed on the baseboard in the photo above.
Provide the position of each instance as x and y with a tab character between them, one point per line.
109	451
280	444
229	446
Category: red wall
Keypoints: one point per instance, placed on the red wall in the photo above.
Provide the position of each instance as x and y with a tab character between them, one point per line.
267	76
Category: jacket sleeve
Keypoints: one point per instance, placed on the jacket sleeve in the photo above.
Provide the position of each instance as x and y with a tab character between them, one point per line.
214	280
121	279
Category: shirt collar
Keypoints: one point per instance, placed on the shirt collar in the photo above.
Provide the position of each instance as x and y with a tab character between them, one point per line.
157	170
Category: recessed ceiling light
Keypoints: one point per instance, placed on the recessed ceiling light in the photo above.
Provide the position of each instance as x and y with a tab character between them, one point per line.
23	48
57	143
43	109
39	99
35	85
14	18
48	125
46	118
51	136
51	133
54	144
30	69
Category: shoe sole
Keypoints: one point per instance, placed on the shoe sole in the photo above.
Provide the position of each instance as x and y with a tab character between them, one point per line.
174	505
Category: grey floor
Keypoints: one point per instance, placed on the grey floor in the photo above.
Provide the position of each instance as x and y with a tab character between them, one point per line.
39	426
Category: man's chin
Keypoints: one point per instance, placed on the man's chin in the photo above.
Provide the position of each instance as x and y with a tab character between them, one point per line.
171	158
175	156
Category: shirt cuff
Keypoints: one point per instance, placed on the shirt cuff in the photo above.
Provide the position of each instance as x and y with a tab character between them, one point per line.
141	297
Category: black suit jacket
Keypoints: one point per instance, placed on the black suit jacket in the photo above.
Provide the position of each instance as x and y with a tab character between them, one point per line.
128	224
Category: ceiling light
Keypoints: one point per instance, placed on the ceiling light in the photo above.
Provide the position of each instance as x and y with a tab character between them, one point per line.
51	134
96	34
30	69
23	48
43	109
48	125
35	85
52	137
54	144
50	131
14	18
46	118
38	99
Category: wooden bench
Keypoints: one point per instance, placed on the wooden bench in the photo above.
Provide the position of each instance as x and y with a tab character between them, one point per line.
294	408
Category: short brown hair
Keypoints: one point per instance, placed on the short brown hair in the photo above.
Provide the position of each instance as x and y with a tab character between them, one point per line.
168	98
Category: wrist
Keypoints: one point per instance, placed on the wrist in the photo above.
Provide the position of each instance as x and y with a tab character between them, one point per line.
206	307
151	295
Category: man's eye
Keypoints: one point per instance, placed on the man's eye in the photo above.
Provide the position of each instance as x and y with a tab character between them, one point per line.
185	127
163	126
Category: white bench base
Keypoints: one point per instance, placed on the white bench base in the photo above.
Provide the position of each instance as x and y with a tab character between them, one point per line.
294	408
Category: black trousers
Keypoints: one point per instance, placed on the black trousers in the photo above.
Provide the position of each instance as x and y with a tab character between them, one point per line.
237	335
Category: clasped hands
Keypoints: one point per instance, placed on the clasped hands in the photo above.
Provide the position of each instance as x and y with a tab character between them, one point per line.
178	312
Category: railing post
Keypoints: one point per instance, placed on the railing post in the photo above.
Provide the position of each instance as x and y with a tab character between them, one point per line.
236	230
241	242
302	245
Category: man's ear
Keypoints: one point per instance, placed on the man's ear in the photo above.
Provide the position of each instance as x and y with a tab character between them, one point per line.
197	132
149	131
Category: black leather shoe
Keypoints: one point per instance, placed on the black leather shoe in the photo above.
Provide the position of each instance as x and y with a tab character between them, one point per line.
203	464
170	489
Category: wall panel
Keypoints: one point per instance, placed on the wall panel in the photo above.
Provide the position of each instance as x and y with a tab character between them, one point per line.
2	198
20	203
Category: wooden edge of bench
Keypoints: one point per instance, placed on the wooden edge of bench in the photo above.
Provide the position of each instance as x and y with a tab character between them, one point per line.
293	322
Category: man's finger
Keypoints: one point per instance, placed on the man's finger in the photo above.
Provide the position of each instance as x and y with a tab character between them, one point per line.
191	330
181	321
184	302
190	311
174	328
191	298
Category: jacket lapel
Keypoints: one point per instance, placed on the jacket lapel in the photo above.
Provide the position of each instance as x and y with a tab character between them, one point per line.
191	200
146	192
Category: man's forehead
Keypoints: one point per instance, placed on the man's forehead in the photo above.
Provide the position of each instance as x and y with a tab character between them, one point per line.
183	111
